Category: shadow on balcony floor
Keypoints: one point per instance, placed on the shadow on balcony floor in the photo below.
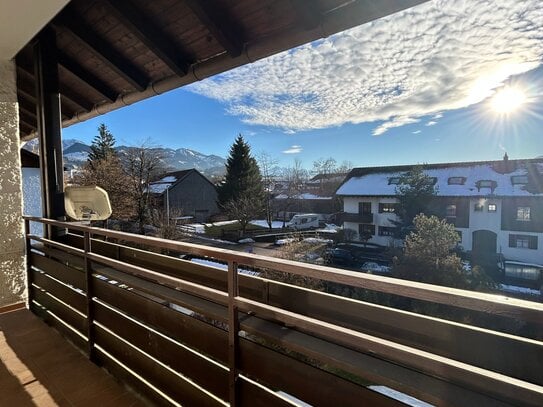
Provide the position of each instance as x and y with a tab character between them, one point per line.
40	368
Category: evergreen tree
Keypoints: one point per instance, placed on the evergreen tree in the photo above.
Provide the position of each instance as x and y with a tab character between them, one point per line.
243	178
102	145
428	257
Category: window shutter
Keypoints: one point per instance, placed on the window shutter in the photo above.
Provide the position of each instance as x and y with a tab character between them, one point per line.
512	240
532	243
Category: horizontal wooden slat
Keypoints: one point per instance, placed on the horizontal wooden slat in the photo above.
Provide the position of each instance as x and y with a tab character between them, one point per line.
171	384
68	333
200	370
121	372
60	291
190	331
69	316
468	376
482	302
304	381
252	395
68	275
520	357
367	367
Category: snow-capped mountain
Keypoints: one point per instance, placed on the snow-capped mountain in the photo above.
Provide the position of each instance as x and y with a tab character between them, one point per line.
76	153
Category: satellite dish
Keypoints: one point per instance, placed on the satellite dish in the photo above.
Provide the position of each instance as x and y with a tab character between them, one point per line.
87	203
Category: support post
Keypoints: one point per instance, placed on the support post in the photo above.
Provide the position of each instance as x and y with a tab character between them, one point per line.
233	334
49	125
89	291
28	249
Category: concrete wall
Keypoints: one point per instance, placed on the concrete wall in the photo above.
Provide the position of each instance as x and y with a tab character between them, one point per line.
12	260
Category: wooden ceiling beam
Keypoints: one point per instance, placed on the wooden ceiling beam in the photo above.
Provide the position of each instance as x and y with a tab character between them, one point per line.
69	94
84	33
307	12
87	77
27	112
219	25
27	118
151	35
29	129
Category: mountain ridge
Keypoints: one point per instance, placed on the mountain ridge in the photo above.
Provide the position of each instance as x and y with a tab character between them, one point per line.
75	153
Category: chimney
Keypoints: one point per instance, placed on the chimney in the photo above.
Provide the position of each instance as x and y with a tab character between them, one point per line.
505	157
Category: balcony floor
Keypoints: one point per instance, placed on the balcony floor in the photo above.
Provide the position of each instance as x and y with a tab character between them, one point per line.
40	368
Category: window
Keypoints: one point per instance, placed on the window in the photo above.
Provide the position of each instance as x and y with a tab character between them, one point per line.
478	207
486	184
364	207
387	231
523	241
393	180
492	207
388	207
456	180
519	179
523	213
521	271
366	230
450	210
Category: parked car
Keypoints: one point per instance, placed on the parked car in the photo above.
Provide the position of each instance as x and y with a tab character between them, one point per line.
340	257
373	267
305	221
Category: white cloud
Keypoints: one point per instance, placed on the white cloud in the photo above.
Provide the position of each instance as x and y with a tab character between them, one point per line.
293	150
416	132
439	56
431	123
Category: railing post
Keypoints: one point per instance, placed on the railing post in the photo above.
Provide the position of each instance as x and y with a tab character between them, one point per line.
28	250
89	286
233	330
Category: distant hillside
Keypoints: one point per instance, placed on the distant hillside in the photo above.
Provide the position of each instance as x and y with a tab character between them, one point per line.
76	153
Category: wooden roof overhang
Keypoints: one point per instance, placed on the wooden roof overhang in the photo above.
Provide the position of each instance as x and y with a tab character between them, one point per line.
112	53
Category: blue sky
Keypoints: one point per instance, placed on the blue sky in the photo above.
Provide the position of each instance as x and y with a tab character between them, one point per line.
414	87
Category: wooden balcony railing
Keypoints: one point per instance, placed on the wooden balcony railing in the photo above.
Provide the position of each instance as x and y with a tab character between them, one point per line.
192	334
357	217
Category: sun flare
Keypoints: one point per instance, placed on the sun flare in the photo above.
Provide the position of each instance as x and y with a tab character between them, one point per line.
508	100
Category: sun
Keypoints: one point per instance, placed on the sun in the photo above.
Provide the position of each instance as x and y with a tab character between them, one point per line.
508	100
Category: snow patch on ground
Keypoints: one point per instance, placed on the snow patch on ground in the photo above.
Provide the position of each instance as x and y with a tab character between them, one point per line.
276	224
247	240
223	223
315	240
517	289
222	266
282	242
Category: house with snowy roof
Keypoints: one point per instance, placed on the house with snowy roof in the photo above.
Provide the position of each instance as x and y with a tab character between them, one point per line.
496	206
187	193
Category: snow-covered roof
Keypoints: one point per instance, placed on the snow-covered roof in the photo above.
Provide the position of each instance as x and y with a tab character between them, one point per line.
376	181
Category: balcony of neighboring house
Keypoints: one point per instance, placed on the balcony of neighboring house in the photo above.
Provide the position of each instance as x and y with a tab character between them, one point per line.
134	321
357	217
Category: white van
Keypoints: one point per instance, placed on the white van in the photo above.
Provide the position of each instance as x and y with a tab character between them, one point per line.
305	221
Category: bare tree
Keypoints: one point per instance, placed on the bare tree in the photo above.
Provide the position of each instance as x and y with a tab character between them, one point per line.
295	178
142	165
243	209
108	174
268	170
